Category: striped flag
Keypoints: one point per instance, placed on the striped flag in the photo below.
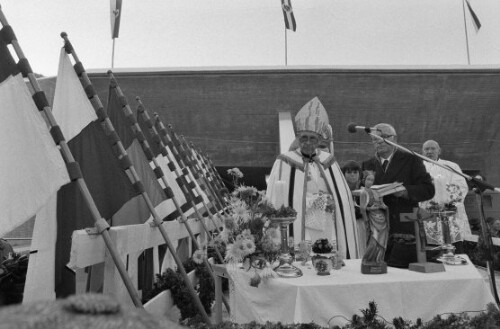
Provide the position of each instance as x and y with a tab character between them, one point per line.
32	168
116	14
290	24
107	182
475	19
136	209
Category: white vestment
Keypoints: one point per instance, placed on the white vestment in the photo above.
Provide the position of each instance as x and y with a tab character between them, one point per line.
303	185
441	177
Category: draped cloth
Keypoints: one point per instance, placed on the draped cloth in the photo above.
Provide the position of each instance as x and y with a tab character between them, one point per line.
306	181
459	227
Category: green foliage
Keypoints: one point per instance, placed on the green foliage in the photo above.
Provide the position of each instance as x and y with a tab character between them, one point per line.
369	319
173	281
284	212
12	278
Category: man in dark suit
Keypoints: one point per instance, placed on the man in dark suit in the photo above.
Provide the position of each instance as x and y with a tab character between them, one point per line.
393	165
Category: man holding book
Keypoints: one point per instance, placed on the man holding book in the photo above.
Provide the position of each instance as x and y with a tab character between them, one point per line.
393	165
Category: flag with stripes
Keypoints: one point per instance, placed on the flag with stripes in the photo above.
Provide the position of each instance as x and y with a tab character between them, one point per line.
32	168
122	124
170	168
286	6
475	19
93	148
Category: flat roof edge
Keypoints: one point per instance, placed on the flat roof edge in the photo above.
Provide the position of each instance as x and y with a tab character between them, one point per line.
417	69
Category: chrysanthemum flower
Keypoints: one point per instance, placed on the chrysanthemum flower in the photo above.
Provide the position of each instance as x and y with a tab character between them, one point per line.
239	249
240	210
233	255
246	191
247	235
249	246
199	256
235	172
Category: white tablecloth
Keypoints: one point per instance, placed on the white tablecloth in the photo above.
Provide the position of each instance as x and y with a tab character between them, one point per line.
336	297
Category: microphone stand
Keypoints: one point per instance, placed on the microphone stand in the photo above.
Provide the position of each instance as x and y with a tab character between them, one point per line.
479	187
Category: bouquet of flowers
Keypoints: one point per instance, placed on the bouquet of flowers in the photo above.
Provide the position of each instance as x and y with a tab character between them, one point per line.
325	257
247	230
322	246
249	236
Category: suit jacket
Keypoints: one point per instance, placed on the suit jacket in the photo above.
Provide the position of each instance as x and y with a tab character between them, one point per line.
409	170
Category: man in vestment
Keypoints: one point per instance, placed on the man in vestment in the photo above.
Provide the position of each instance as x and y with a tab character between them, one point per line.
310	181
393	165
441	178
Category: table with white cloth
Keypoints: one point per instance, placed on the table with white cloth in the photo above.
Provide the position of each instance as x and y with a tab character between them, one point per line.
333	299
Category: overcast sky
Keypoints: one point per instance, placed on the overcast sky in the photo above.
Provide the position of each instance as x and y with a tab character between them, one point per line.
180	33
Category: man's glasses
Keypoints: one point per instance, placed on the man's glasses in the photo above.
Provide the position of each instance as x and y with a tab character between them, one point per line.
376	140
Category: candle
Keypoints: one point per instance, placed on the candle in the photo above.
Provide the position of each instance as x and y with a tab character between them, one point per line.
279	191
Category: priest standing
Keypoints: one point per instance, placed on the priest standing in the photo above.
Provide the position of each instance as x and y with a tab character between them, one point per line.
448	186
310	181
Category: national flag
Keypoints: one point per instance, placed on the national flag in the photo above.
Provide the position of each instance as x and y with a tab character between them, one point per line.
184	177
131	144
286	6
116	14
92	148
168	169
32	168
207	186
475	19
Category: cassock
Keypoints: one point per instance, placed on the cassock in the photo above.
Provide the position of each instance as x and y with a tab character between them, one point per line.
307	183
459	227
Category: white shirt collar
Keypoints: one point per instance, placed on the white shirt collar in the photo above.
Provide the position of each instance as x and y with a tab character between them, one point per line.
388	158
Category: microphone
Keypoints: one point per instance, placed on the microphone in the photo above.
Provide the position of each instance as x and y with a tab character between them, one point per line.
352	128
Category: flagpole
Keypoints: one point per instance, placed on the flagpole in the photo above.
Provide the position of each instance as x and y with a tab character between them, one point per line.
286	48
113	55
466	34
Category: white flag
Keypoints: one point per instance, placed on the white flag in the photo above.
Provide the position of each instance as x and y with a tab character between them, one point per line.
32	169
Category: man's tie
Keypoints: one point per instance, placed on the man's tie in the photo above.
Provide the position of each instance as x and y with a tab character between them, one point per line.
384	164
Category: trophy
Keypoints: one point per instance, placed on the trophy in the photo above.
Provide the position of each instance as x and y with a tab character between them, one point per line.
285	268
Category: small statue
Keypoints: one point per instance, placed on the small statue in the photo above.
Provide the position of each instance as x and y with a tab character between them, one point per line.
376	216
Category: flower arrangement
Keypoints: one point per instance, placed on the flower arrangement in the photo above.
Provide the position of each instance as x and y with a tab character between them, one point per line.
325	257
247	232
322	246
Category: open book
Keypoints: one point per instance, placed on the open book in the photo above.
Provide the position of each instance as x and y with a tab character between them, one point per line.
385	189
